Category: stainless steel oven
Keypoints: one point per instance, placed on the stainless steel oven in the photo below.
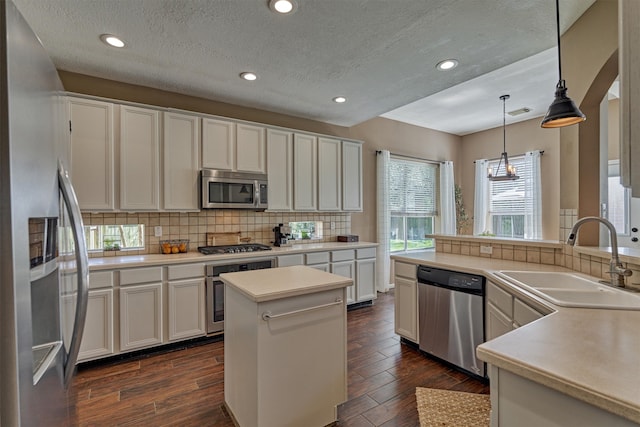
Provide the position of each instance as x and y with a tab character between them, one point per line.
215	287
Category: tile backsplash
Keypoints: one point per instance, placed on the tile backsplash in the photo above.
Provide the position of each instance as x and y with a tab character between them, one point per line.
194	225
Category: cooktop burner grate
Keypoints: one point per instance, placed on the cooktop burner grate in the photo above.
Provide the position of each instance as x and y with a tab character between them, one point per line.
231	249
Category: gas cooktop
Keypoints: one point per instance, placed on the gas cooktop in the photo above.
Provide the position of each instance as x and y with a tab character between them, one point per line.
232	249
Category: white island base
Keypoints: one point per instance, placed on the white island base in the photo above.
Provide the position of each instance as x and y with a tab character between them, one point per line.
285	352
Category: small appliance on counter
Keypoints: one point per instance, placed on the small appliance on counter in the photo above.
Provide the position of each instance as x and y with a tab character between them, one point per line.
348	238
282	235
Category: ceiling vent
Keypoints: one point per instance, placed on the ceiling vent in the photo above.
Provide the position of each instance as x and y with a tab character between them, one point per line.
519	111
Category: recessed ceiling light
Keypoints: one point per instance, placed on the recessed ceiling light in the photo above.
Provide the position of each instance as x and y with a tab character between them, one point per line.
447	64
112	40
519	111
339	99
249	76
283	6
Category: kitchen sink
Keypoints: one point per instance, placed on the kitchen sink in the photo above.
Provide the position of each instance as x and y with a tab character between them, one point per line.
572	290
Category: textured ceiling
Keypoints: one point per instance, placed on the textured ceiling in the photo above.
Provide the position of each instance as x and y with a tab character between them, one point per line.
380	54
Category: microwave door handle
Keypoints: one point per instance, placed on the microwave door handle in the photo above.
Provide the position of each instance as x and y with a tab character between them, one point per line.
82	266
256	195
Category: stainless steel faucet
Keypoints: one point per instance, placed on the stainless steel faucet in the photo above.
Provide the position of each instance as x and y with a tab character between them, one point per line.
616	269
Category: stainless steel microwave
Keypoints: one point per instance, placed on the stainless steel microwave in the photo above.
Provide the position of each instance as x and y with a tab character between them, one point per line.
233	190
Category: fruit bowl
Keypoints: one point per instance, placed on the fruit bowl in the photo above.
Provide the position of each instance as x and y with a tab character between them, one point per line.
168	247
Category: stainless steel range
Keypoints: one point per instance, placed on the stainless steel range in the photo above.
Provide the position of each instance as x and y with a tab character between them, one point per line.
215	286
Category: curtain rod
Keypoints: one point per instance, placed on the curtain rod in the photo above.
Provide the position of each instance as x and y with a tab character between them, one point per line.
411	157
516	155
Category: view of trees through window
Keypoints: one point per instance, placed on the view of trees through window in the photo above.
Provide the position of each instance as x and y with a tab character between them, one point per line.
114	237
507	204
412	199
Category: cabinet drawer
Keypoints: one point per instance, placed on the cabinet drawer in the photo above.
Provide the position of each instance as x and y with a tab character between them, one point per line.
405	270
317	258
140	275
101	279
288	260
366	253
176	272
500	299
523	314
347	255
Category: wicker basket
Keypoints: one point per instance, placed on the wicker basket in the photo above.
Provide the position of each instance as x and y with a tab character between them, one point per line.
168	247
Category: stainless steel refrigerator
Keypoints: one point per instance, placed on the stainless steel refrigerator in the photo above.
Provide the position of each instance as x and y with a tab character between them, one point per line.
43	258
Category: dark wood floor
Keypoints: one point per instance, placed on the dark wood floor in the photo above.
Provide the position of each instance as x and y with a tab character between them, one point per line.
185	387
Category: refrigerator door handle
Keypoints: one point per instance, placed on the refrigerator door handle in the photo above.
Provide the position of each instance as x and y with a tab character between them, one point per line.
82	265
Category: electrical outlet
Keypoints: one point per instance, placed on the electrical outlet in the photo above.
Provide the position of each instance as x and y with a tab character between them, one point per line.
333	225
157	231
486	250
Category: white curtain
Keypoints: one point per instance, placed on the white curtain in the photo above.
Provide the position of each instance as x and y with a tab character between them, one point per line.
447	199
481	198
383	261
533	197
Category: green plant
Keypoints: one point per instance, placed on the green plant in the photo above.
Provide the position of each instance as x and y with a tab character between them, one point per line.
462	219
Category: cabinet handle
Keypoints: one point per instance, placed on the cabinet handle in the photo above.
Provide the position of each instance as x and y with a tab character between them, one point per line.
266	316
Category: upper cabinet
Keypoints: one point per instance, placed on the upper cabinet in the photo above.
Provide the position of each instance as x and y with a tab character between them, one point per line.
329	174
92	153
351	176
235	147
305	175
280	167
139	158
181	148
629	68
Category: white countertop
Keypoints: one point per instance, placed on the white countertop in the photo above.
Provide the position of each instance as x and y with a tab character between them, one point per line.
590	354
128	261
275	283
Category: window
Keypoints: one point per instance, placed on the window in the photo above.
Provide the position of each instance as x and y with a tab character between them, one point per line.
114	237
619	198
306	230
412	201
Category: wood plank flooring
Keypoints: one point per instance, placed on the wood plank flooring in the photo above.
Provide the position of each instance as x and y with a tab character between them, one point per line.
186	387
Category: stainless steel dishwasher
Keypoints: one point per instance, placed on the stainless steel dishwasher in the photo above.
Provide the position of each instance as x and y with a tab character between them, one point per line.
451	317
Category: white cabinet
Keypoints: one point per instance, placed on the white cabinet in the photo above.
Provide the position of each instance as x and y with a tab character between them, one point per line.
218	144
406	301
366	274
346	269
280	169
289	260
181	152
250	148
141	308
97	338
351	176
329	174
186	301
92	153
230	146
318	260
629	68
139	158
506	312
305	174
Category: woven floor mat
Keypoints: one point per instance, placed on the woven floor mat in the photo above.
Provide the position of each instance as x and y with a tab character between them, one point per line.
452	408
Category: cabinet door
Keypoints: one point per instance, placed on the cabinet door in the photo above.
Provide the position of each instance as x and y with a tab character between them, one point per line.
280	169
497	322
218	142
329	174
92	153
346	269
97	338
139	158
366	279
406	308
140	316
250	148
351	176
186	309
305	174
181	145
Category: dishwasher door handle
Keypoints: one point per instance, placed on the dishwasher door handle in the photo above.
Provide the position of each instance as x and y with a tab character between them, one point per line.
266	316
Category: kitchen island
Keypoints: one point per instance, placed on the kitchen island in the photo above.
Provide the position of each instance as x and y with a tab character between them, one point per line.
285	346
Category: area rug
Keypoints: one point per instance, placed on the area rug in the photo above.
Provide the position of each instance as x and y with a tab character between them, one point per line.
452	408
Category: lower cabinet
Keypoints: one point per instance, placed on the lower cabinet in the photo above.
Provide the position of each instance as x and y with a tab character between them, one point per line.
97	339
406	301
346	269
186	309
140	316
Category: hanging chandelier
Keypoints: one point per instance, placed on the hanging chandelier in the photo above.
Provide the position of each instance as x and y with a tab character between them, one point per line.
562	111
509	173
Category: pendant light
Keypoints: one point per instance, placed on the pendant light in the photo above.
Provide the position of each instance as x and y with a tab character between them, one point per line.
562	111
509	170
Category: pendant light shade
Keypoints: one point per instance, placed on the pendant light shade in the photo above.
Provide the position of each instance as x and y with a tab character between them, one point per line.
509	170
562	111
